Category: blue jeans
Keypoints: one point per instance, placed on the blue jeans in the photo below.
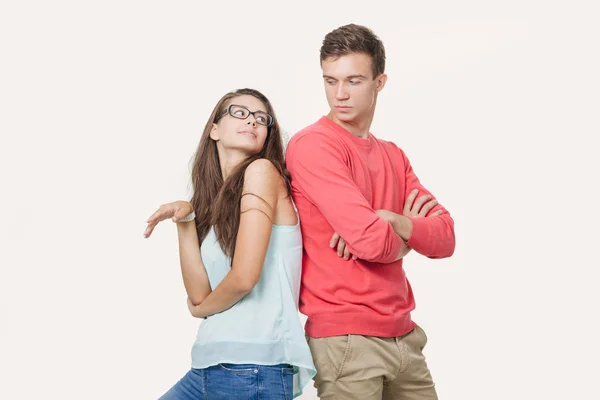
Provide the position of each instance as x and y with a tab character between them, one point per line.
235	381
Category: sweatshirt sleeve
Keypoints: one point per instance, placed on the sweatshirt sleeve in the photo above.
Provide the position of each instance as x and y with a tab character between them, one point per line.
319	170
432	237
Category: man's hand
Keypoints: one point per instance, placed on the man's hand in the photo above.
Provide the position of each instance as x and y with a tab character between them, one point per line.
412	208
389	216
402	226
342	249
420	207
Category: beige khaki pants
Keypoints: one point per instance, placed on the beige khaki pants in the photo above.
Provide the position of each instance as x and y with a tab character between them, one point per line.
372	368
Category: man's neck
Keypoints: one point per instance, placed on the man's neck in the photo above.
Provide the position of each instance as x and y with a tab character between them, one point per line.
359	128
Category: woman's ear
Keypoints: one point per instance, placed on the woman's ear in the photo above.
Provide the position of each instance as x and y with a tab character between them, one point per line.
214	134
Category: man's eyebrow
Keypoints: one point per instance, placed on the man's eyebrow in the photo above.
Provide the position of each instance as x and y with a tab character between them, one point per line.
359	76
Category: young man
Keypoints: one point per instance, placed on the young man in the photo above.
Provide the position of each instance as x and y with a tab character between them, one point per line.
362	209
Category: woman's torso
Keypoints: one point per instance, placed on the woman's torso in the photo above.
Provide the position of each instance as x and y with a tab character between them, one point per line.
264	327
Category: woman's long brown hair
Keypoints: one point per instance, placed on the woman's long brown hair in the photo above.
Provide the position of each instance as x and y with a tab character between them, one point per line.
217	202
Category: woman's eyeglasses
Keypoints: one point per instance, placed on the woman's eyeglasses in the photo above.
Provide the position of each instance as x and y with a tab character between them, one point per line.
241	112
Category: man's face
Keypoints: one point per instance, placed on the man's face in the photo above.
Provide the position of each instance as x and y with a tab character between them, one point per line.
350	87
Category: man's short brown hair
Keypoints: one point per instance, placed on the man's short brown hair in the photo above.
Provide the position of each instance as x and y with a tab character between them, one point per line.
352	38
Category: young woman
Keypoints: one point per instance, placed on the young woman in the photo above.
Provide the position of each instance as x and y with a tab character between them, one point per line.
240	250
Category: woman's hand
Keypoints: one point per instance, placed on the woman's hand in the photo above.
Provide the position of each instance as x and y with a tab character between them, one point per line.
194	310
175	210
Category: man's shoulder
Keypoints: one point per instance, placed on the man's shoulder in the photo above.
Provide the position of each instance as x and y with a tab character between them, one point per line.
390	146
384	142
316	133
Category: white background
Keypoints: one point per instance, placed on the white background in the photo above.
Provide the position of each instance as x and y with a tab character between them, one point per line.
102	105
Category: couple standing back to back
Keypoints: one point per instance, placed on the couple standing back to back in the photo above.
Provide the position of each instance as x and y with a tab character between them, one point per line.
325	230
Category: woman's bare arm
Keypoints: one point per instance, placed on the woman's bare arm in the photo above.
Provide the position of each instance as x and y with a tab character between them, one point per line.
262	183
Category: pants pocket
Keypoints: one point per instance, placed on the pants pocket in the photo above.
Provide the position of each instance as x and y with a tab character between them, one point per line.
239	368
232	381
422	337
330	355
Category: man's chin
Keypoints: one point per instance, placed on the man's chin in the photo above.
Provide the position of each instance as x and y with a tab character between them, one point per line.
344	116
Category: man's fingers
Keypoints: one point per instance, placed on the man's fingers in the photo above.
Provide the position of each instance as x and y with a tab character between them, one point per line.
347	254
421	206
340	247
354	257
334	240
409	201
419	203
427	207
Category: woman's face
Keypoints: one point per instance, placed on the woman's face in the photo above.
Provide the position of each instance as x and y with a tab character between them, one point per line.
243	127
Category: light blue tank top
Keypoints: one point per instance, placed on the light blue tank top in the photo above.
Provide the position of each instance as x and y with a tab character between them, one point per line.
264	327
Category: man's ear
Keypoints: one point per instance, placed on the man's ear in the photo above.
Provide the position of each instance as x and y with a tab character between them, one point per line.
381	80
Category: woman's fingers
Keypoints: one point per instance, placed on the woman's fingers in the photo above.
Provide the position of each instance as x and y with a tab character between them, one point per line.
149	230
180	213
157	216
163	212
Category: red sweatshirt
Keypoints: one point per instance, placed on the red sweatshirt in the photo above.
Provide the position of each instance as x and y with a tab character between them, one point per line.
338	181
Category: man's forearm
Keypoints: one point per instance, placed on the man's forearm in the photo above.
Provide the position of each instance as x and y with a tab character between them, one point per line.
402	226
432	236
404	250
